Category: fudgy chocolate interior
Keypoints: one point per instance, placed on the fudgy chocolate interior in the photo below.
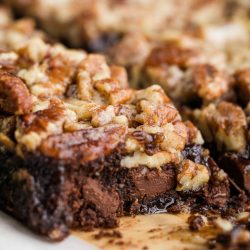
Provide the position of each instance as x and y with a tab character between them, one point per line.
54	197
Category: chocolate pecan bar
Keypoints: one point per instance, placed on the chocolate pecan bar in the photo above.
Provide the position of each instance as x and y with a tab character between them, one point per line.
207	77
80	148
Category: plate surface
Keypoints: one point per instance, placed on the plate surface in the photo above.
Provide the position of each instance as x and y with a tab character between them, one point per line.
13	236
150	232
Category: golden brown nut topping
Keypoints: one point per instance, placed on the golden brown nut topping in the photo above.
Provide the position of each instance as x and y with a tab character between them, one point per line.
97	24
97	81
225	124
186	71
193	69
72	106
50	69
70	91
34	127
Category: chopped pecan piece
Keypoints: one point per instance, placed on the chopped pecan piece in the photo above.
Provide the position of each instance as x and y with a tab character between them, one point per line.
14	95
225	124
192	176
34	127
209	82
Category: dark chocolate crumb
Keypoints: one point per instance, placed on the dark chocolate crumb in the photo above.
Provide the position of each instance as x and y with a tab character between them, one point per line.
195	222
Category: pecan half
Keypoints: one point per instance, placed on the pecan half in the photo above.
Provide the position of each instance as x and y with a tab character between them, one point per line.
83	145
14	95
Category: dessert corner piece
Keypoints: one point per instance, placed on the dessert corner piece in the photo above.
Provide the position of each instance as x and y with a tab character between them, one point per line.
79	148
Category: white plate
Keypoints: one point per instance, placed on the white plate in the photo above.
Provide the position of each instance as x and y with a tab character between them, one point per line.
14	236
